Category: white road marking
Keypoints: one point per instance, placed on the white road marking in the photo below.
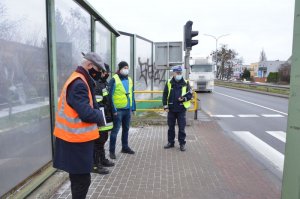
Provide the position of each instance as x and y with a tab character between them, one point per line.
272	115
248	115
222	116
262	148
280	135
252	103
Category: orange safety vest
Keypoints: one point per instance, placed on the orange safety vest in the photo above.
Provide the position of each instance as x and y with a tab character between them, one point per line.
68	125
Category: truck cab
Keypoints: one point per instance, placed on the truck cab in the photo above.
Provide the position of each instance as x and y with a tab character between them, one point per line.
202	76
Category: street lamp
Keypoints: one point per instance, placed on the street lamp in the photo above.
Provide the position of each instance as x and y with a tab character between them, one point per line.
216	38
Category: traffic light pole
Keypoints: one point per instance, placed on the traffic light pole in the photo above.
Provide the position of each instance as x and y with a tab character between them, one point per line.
291	172
187	63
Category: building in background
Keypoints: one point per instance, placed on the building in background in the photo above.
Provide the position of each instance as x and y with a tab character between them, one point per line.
253	69
265	67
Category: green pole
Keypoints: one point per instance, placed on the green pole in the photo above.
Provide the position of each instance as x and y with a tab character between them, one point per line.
113	52
291	172
50	8
93	34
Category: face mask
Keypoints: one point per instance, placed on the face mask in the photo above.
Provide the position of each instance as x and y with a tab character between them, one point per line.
178	77
124	72
94	74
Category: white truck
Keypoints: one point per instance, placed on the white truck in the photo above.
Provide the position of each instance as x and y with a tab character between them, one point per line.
202	75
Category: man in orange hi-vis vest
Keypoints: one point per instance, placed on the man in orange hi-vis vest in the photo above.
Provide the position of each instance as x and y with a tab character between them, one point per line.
76	125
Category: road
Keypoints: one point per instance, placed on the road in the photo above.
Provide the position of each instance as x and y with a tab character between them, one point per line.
255	120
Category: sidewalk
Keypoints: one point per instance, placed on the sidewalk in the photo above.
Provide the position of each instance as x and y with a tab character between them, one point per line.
213	167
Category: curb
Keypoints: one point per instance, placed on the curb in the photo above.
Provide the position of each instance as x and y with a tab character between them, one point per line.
49	186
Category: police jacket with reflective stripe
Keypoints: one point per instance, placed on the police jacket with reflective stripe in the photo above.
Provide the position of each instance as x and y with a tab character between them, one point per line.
103	91
171	98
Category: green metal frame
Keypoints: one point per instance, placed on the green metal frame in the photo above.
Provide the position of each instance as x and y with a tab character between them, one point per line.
133	55
113	52
53	86
95	14
291	172
93	33
52	67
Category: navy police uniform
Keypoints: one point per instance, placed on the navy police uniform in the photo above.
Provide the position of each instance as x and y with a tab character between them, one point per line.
176	99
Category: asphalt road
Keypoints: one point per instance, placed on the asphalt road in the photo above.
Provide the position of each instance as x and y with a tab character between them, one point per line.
255	120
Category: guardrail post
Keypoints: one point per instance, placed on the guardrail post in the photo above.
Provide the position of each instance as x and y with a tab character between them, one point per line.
196	106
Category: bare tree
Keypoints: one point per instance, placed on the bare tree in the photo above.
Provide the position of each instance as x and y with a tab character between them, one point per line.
285	72
263	56
225	59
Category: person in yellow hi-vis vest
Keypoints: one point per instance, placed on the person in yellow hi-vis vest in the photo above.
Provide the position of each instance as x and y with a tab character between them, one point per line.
123	103
176	100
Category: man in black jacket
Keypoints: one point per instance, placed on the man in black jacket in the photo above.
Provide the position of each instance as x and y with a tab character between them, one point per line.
176	100
103	100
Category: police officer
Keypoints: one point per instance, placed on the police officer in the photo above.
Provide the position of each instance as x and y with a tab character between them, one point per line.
176	100
103	99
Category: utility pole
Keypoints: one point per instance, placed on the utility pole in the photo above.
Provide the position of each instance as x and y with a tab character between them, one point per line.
291	172
187	63
216	38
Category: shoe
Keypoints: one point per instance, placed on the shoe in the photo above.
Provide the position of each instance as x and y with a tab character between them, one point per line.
106	163
182	147
100	170
169	145
112	155
127	150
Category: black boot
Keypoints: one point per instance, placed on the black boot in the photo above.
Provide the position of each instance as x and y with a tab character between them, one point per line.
169	145
98	168
182	147
112	155
104	161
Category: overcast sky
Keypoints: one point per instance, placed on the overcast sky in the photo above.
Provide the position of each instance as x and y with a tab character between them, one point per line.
253	25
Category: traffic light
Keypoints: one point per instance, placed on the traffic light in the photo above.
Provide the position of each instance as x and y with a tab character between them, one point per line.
188	35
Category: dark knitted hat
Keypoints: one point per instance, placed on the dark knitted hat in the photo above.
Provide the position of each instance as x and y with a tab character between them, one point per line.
122	64
107	67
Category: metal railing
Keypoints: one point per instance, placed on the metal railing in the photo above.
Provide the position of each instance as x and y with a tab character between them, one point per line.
279	89
194	101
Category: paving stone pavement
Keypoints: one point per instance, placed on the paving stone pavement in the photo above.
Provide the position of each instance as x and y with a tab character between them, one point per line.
214	166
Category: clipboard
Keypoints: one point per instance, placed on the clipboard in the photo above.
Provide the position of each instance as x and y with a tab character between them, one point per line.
103	120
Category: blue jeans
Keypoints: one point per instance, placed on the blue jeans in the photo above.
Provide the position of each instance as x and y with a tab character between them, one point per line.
123	117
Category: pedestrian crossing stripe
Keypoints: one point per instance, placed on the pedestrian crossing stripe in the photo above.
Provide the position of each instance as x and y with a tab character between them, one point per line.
262	148
272	115
221	115
280	135
248	115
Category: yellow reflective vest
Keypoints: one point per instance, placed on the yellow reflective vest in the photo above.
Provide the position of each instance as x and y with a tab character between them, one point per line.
186	104
120	97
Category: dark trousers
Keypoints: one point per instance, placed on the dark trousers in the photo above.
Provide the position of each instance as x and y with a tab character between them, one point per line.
80	185
122	118
100	142
181	120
